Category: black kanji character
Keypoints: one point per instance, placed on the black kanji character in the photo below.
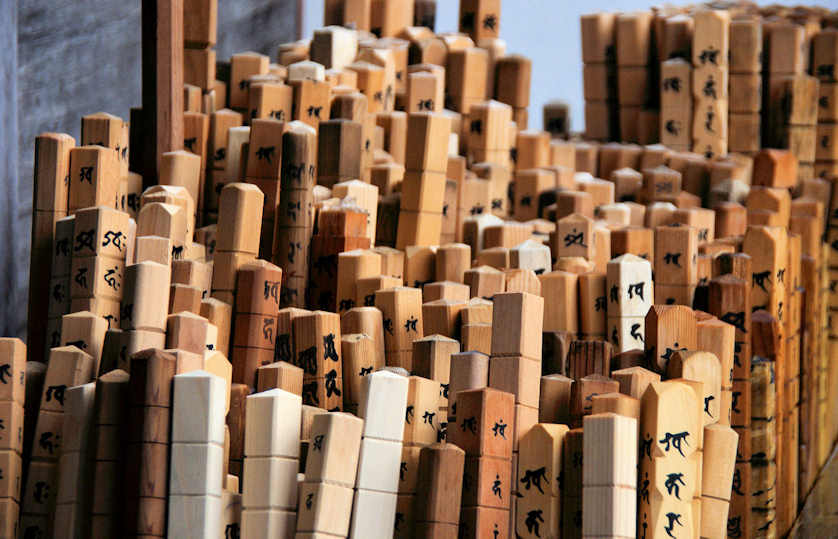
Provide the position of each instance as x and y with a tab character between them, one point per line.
114	237
57	393
673	518
490	22
272	289
673	127
84	239
599	303
329	351
709	89
41	493
496	487
268	329
332	383
734	527
707	400
575	238
672	483
644	488
81	277
735	319
533	520
86	174
534	477
635	333
266	153
646	446
675	440
499	429
110	279
307	360
636	289
410	324
672	83
760	279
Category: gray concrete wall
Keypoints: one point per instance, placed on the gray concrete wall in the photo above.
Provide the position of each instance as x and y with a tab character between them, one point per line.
79	57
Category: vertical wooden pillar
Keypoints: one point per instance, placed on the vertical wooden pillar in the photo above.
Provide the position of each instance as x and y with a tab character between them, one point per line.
162	43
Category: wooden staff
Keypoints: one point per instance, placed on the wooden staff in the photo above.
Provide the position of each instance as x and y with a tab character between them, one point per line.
767	398
162	112
746	41
330	474
718	338
718	469
59	285
486	494
676	104
632	41
432	359
823	61
12	392
402	323
421	428
317	351
676	264
357	352
196	436
148	438
710	53
271	461
540	461
611	488
629	293
669	434
264	168
240	203
572	462
376	485
50	203
426	157
562	314
439	490
110	433
72	502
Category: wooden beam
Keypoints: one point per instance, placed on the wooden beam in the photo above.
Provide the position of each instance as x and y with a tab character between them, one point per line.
162	61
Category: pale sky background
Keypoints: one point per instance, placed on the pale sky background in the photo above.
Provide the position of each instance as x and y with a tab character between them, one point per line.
547	31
